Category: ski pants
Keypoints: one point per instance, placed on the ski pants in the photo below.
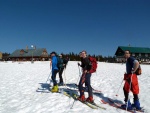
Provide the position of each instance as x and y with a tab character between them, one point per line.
60	75
131	83
85	78
54	72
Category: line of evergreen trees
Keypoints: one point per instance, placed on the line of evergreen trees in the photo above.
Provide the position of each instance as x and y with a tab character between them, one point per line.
75	57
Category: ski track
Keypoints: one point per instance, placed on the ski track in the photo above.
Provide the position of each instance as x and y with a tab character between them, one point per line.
19	82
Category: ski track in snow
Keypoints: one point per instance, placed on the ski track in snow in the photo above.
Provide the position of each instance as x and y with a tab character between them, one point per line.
20	81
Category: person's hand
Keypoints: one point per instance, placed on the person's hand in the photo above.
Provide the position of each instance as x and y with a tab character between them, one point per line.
85	71
133	71
79	64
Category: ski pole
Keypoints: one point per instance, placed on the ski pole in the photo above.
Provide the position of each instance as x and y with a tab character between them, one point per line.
79	74
65	76
119	88
46	81
49	76
77	83
129	91
79	70
72	104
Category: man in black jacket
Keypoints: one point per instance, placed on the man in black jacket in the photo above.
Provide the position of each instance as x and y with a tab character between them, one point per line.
85	78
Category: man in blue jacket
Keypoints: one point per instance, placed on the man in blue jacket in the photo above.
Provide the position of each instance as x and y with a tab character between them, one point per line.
54	67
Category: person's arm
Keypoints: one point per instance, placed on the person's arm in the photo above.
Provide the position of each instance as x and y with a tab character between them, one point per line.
135	66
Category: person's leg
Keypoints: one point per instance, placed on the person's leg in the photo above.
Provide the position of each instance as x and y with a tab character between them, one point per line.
81	90
136	103
135	90
135	97
88	85
126	90
126	94
54	72
60	75
55	87
52	77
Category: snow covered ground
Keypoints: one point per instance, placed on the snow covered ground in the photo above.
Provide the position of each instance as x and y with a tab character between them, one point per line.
19	83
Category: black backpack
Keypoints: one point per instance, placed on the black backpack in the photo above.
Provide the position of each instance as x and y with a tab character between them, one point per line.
58	63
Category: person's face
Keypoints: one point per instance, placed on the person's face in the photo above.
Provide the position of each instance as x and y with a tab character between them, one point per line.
126	54
52	55
80	54
83	54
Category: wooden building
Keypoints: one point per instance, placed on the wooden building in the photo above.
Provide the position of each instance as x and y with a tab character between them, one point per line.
140	53
36	54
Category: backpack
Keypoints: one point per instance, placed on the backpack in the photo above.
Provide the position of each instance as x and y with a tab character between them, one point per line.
93	64
138	71
58	63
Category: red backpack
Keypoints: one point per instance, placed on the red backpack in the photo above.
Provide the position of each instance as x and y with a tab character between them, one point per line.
93	63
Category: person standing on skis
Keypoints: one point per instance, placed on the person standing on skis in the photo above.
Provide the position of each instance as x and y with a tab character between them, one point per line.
85	78
62	65
54	67
131	82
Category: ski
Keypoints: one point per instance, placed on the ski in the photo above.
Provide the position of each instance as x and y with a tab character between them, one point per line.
98	106
75	96
118	106
85	89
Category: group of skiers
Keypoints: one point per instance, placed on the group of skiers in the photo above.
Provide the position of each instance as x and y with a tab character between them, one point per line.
130	77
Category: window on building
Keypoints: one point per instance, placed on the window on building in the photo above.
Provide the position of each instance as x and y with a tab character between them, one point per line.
44	53
133	54
146	55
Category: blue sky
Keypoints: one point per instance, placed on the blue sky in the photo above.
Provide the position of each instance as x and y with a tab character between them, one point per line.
98	26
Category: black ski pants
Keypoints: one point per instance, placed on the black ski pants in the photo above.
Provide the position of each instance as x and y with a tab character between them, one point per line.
60	75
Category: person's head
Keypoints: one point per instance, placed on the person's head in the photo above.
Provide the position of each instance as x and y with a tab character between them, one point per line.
80	54
84	53
53	53
60	55
127	54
